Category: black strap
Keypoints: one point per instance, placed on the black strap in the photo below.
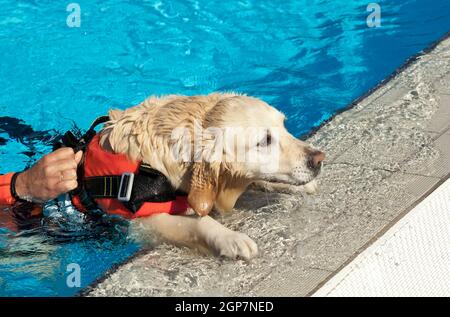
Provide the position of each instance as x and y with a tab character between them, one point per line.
99	120
84	141
103	186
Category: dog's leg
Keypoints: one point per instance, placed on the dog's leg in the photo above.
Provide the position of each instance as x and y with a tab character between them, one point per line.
309	188
201	232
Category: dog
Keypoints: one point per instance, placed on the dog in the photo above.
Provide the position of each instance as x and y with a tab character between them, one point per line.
161	132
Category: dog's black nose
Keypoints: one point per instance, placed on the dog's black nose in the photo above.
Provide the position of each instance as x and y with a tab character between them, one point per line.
315	160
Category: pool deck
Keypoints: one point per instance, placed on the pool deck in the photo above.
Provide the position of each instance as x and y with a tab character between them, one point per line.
385	154
411	259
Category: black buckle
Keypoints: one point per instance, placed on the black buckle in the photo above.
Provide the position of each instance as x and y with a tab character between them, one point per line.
126	186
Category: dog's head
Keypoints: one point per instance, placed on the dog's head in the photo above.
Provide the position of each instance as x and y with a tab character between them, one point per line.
212	146
245	140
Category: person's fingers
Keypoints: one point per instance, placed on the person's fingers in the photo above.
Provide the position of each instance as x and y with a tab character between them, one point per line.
78	157
66	186
60	154
55	169
68	175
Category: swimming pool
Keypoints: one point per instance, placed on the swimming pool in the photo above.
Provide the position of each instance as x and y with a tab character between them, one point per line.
307	58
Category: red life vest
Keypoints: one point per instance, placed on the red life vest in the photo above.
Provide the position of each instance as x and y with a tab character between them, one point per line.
98	162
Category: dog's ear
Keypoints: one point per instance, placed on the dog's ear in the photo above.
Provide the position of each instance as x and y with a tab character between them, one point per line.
115	114
203	188
207	162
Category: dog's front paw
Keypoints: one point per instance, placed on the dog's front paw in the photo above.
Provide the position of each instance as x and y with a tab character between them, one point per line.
311	188
235	245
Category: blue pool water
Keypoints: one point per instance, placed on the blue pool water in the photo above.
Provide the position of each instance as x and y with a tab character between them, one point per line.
307	58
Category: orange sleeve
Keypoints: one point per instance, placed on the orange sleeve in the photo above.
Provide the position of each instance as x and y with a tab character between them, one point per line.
5	190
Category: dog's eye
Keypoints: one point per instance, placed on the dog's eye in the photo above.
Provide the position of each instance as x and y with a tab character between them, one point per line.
266	141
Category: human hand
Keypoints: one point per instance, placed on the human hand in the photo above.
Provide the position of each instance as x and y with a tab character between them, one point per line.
51	176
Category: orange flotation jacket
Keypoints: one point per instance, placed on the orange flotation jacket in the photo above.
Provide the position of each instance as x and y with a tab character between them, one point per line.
6	197
116	185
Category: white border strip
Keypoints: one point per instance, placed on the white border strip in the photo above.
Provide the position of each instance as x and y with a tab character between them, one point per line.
411	259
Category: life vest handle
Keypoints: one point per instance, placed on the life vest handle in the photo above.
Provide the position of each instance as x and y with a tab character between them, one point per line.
80	144
98	121
77	144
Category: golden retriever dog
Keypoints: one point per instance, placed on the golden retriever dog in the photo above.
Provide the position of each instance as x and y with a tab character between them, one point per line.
211	147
